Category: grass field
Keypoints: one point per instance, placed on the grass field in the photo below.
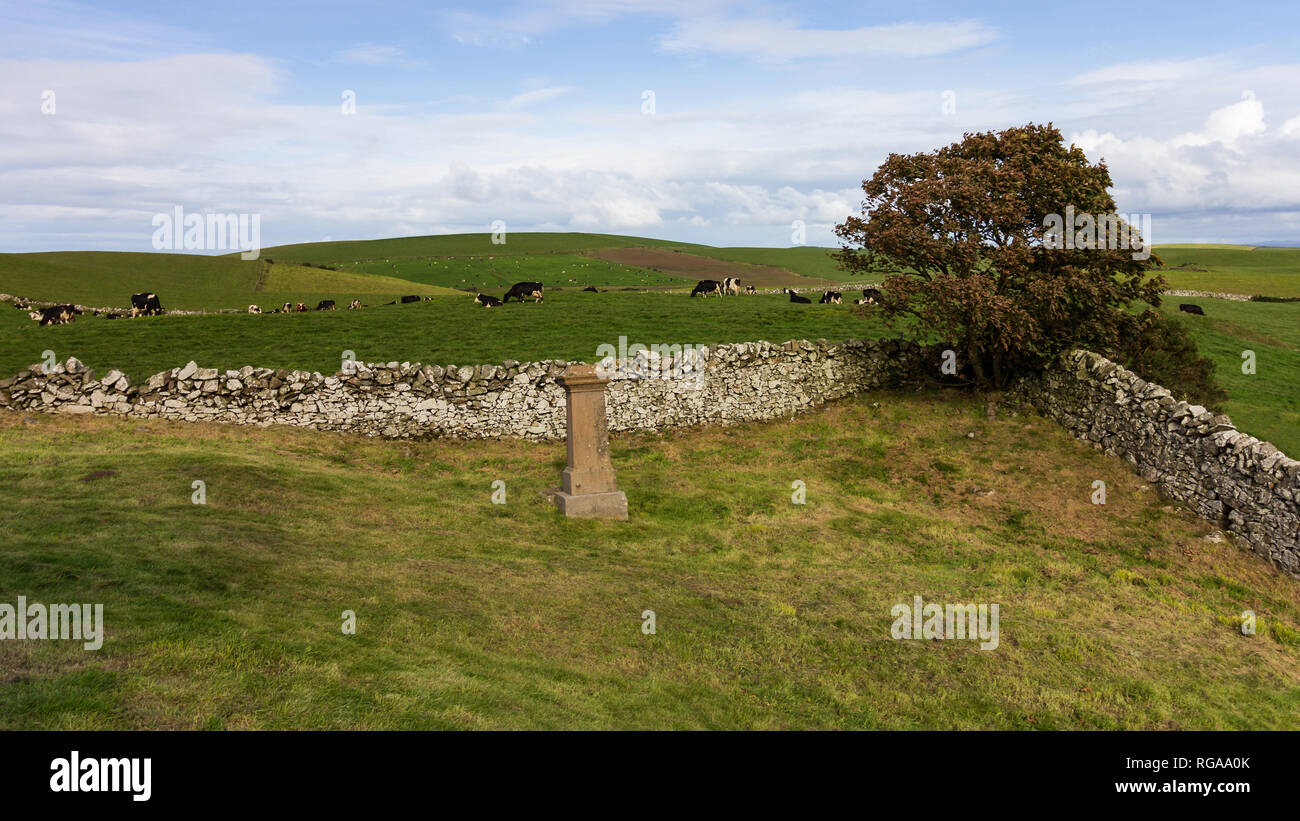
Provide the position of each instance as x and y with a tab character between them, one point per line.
187	281
495	274
1232	269
1265	404
570	324
769	614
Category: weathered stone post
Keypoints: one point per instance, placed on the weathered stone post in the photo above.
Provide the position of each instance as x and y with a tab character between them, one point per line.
589	489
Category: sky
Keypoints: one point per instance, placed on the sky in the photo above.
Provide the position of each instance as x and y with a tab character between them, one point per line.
704	121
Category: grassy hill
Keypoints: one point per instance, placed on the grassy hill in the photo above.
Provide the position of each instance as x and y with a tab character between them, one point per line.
769	614
187	281
1233	269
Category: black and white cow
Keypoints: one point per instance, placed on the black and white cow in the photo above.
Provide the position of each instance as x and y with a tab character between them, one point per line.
1188	308
408	299
871	296
253	309
794	297
354	305
832	298
749	289
707	286
145	304
487	301
522	289
325	305
301	307
55	314
731	285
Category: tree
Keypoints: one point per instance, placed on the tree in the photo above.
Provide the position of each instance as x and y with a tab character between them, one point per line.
975	249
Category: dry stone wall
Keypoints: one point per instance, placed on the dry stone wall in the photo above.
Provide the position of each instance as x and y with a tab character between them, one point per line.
723	384
1198	457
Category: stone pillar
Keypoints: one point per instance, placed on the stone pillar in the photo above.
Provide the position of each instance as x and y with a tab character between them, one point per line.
588	487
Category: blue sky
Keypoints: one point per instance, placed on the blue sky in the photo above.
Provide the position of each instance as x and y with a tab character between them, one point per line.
764	114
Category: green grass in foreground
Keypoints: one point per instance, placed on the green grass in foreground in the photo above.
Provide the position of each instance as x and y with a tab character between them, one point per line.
570	324
769	614
1265	404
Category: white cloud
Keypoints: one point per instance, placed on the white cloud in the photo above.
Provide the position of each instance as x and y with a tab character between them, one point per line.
781	40
539	95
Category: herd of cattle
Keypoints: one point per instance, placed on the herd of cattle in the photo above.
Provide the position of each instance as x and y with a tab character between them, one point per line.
731	285
147	304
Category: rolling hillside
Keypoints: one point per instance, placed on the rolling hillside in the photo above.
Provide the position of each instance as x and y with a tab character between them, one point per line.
1233	269
187	281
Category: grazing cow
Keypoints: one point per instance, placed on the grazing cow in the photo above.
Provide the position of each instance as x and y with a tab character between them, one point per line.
145	305
354	305
731	285
589	288
407	299
870	296
794	297
253	309
749	289
325	305
832	298
522	289
1188	308
487	301
707	286
55	314
301	307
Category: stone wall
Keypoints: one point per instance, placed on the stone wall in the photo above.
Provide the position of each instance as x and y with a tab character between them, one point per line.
723	384
1193	455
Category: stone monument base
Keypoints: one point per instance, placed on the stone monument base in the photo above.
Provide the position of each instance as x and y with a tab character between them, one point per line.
611	505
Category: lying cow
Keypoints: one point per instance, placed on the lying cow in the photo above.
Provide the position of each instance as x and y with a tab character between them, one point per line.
749	289
407	299
55	314
591	289
1188	308
145	305
832	298
354	305
253	309
487	301
301	307
325	305
707	286
522	289
870	296
794	297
